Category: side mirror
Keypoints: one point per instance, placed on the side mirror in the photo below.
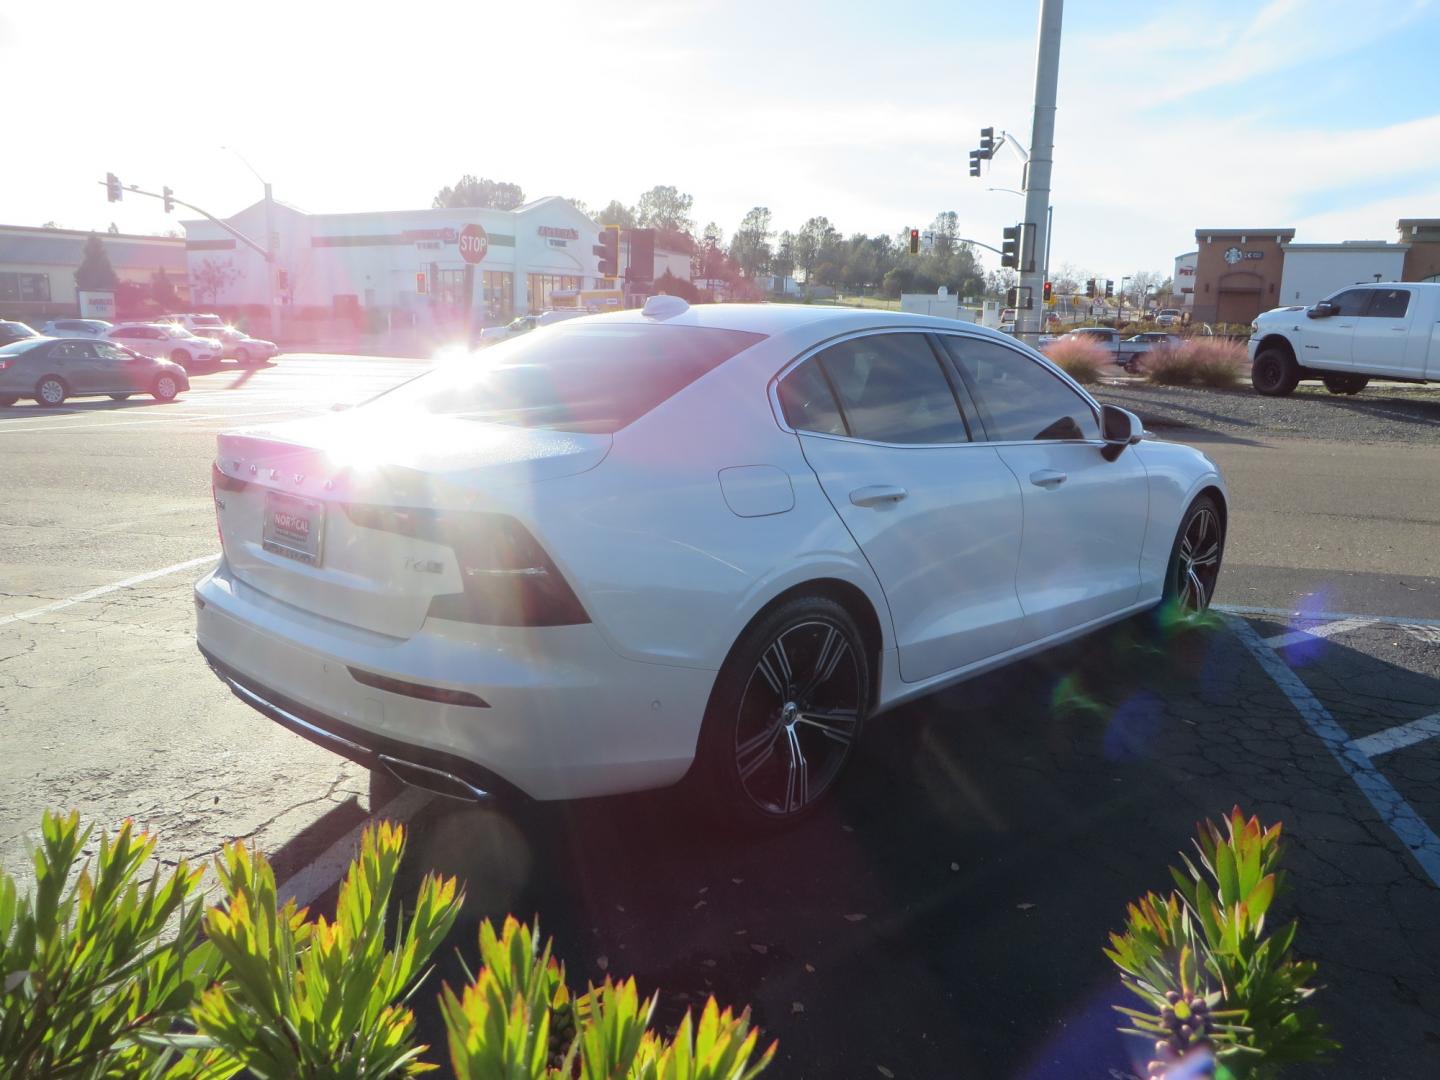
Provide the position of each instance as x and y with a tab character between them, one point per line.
1323	310
1119	428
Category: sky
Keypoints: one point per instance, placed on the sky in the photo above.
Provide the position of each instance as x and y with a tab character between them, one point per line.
1317	115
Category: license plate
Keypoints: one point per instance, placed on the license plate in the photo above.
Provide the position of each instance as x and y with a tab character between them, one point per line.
294	527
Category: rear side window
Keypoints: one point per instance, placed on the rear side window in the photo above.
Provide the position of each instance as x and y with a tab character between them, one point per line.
807	402
1389	303
575	376
893	390
1020	399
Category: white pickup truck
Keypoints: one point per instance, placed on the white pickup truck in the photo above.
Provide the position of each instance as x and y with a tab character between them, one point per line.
1388	330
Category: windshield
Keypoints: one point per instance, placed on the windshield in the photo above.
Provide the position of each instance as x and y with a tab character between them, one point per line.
206	321
590	378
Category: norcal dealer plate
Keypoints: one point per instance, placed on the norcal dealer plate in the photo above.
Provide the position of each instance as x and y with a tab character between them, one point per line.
294	527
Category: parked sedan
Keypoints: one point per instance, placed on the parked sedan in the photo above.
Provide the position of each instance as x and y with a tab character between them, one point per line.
234	342
78	328
704	543
167	340
53	369
15	331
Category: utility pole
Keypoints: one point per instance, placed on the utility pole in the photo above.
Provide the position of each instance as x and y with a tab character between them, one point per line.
1037	173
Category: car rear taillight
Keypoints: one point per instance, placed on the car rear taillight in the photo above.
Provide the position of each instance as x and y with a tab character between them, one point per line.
4	364
220	482
507	577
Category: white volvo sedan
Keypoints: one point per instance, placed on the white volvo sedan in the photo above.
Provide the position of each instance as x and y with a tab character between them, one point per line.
706	543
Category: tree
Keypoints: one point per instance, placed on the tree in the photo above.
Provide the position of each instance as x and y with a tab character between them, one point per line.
114	229
617	213
944	232
211	278
750	246
95	274
815	237
162	291
708	260
578	204
782	263
1000	281
665	209
486	194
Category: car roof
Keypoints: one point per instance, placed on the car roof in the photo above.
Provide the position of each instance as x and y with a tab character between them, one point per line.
778	319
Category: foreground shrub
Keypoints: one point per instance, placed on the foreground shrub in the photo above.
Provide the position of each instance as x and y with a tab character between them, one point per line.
1215	983
517	1020
1080	359
1197	361
87	966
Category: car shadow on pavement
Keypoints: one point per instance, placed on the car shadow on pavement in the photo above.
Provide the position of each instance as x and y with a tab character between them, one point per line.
944	915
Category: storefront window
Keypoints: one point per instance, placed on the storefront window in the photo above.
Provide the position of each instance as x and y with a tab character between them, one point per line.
15	286
450	289
543	286
499	295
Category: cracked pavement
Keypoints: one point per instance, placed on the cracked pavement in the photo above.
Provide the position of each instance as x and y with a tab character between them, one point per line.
944	916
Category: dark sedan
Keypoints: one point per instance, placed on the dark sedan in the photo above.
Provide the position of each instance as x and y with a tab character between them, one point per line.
53	369
15	331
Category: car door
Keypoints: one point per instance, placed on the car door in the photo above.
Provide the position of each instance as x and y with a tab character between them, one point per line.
1382	336
936	514
1330	342
1084	517
125	371
74	362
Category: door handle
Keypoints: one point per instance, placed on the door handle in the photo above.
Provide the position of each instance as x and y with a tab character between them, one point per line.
1048	478
877	495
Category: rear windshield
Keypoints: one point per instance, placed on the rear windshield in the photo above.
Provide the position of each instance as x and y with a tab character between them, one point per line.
573	377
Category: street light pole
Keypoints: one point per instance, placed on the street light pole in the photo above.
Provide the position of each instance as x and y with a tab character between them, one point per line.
270	243
1042	155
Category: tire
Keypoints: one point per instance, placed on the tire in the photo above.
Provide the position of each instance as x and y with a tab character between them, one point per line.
1345	383
794	691
6	400
1274	373
119	397
181	357
51	391
165	388
1195	559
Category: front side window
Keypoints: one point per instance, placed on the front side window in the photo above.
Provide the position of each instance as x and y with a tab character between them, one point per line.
1389	303
70	350
1019	398
1351	302
807	402
892	389
111	354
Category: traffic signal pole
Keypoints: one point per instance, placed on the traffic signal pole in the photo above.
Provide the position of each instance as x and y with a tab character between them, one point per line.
1037	174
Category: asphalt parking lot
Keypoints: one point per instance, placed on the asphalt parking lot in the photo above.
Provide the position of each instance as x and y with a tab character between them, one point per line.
945	916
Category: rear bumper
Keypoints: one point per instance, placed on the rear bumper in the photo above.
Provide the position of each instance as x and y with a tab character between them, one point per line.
567	717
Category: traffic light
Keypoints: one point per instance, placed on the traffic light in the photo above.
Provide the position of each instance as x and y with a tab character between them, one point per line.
987	143
1012	296
112	187
169	199
1109	288
420	282
914	241
1047	292
1090	288
282	279
609	251
1010	246
975	158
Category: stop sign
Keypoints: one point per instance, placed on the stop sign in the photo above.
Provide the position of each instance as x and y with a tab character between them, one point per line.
473	243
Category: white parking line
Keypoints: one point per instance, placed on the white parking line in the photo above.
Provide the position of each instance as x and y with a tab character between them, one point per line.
1324	630
329	866
174	420
1323	616
1418	838
101	590
1398	737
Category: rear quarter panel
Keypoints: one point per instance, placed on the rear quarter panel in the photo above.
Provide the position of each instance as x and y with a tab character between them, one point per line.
1178	473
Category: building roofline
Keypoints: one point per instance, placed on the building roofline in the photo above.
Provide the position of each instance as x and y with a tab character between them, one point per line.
1432	221
1350	245
1244	232
40	230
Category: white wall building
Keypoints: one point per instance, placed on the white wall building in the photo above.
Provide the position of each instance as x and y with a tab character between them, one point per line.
1314	271
477	264
1183	285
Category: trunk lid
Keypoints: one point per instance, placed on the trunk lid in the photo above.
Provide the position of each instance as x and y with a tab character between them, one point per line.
297	505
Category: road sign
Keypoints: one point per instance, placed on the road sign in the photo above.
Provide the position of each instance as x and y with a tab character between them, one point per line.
473	244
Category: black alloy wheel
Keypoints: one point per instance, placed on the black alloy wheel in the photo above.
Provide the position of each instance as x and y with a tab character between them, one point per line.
785	714
1345	383
1195	562
1274	373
